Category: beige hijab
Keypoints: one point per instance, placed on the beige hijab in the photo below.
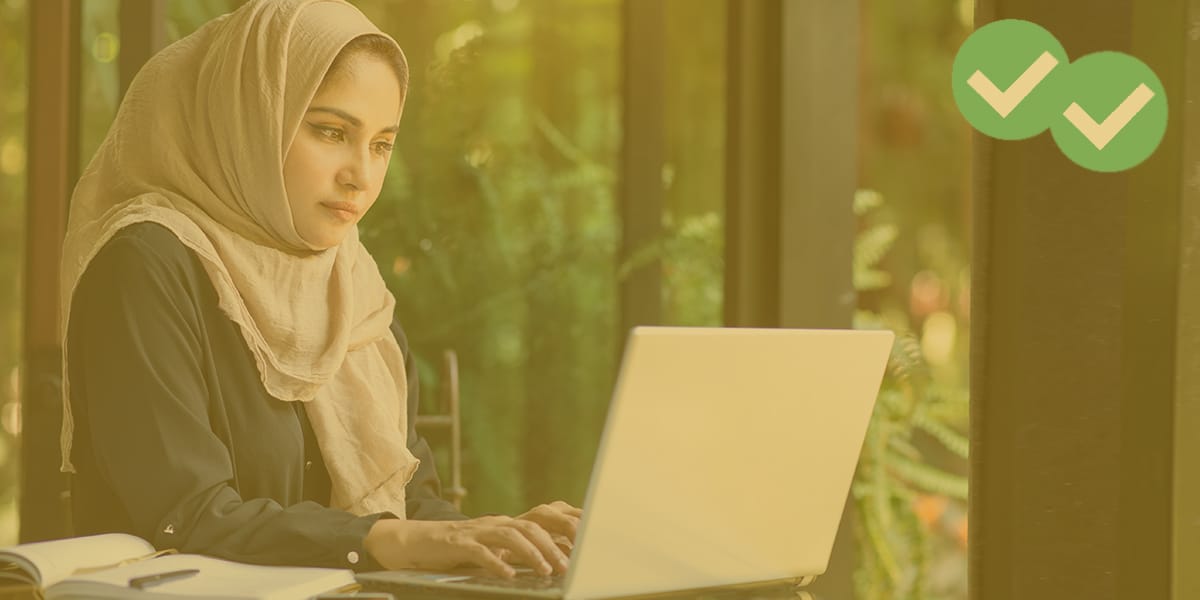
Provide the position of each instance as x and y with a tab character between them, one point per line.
198	146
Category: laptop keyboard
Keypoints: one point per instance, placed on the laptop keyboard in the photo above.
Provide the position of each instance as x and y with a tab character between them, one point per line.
522	581
472	586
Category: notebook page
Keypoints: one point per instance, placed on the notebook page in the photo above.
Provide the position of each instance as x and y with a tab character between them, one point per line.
225	579
55	560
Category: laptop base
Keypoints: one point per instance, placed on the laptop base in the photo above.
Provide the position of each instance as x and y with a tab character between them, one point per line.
419	585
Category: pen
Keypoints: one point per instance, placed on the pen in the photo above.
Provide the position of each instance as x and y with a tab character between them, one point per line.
149	580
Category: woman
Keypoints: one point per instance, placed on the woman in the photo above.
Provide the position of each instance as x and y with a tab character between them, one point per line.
234	382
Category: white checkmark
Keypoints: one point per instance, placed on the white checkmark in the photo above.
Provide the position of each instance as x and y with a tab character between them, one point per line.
1100	134
1004	102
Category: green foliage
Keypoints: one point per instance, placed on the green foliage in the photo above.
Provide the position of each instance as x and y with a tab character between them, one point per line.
497	233
915	150
498	228
894	544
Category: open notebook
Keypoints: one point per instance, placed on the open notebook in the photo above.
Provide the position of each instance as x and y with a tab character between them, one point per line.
101	566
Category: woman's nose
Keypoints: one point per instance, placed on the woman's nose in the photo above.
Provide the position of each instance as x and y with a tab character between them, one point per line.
355	173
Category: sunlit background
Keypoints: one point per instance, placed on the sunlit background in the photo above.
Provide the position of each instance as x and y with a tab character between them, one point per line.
498	232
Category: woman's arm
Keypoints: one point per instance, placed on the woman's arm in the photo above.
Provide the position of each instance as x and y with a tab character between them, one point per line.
137	342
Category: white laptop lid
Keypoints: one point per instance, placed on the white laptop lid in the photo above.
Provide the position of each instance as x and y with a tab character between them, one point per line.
726	457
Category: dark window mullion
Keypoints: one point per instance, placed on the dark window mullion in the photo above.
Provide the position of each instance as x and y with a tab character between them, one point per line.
642	157
53	138
143	33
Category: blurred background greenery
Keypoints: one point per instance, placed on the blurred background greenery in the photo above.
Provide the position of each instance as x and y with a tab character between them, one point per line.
498	232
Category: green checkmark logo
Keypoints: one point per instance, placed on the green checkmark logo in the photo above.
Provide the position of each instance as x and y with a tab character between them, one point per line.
1002	80
1012	80
1115	115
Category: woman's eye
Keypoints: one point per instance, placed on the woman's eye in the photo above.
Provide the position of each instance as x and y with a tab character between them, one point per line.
337	135
331	133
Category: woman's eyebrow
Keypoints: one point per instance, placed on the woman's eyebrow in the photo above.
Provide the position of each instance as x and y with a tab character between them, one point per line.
351	118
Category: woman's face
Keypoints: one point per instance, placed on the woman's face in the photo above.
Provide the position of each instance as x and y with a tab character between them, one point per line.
335	167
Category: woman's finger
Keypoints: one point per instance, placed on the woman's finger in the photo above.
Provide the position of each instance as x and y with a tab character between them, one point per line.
544	542
483	556
563	544
554	521
567	508
523	550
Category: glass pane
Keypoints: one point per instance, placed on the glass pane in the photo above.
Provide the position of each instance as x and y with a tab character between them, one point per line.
186	16
14	88
100	81
101	47
497	229
912	271
694	173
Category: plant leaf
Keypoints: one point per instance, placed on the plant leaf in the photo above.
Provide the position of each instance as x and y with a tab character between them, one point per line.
930	479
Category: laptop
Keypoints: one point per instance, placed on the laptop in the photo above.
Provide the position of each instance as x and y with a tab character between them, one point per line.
726	459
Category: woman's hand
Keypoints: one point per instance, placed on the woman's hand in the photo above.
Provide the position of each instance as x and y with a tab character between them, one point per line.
484	541
560	519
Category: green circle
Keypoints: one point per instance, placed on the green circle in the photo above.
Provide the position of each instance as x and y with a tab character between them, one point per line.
1002	52
1099	83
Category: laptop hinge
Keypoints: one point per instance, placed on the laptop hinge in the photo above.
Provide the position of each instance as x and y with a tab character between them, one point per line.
804	581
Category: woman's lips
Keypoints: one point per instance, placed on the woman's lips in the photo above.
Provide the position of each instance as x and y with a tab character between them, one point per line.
343	210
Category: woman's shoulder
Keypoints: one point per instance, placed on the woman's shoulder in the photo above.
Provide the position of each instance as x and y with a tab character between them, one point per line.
141	251
150	237
142	274
149	240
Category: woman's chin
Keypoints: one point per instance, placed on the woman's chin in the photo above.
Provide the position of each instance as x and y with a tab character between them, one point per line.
326	237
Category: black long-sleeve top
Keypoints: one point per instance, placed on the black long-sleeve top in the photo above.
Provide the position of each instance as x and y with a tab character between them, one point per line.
177	440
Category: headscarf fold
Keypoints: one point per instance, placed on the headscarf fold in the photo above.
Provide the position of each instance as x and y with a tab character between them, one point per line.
198	145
